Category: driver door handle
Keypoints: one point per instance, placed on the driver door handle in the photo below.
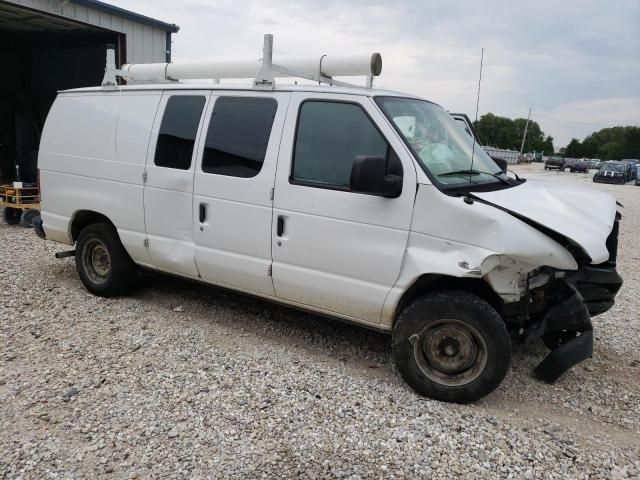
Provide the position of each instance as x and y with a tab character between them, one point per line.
203	212
280	226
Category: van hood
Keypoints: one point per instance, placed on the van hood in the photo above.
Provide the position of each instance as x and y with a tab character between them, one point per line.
583	215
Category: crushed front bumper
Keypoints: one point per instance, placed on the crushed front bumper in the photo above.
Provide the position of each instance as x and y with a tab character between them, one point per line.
598	285
588	292
570	315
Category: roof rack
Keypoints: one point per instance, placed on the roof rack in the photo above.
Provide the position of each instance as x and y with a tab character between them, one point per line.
321	70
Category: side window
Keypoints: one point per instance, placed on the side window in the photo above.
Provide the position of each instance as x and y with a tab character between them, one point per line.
238	136
330	135
178	129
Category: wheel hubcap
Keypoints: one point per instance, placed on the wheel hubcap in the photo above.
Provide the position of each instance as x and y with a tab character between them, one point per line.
96	261
450	352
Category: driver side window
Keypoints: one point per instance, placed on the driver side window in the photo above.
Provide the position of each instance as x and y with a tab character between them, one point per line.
329	136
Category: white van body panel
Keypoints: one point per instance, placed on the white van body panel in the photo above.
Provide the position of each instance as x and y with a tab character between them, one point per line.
452	237
341	251
168	203
583	215
233	244
92	156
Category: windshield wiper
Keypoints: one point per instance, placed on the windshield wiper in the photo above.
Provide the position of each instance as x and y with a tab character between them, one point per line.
475	172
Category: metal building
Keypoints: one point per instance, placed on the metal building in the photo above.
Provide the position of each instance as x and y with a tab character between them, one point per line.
52	45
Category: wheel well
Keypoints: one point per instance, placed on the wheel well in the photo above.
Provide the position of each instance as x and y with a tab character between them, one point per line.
84	218
431	282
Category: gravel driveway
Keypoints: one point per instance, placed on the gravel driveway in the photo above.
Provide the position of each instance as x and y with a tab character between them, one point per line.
184	381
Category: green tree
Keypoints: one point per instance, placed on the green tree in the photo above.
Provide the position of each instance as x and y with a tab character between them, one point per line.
613	143
574	149
503	132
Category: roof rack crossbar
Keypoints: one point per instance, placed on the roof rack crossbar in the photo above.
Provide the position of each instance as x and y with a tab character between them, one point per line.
264	74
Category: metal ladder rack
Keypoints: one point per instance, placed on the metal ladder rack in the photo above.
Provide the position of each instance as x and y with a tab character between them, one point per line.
320	70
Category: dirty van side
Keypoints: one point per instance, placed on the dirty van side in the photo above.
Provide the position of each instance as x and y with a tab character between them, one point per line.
353	203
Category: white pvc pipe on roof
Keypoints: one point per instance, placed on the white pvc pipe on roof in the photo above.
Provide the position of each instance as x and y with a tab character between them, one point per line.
328	66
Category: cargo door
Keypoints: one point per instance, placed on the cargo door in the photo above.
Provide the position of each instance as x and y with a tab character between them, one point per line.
233	189
168	190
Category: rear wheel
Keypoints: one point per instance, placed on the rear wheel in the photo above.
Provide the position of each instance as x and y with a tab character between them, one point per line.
11	215
451	346
103	264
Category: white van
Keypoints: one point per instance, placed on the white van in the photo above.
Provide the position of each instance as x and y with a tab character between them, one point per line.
360	204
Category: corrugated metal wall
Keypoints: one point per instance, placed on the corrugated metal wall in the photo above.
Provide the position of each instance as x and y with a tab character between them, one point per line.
511	156
145	44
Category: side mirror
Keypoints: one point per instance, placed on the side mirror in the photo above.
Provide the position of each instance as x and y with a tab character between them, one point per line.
501	162
369	175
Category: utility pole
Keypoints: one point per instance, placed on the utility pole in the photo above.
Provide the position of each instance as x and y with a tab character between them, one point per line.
525	131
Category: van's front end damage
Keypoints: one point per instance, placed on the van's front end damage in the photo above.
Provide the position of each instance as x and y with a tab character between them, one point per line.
549	265
557	305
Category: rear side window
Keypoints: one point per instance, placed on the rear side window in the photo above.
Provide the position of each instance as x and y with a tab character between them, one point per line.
329	137
178	129
238	136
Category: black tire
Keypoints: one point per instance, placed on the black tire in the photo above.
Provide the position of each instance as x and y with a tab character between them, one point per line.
28	216
451	320
103	264
553	340
11	215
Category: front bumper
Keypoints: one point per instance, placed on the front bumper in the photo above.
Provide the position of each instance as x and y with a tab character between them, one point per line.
570	315
606	179
598	285
588	292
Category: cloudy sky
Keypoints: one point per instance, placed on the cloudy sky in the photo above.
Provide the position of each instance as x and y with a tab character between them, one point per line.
576	63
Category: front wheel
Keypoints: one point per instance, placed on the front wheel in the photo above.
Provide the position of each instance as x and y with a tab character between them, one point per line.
103	264
451	346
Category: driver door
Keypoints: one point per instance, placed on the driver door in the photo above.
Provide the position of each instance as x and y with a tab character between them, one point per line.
333	249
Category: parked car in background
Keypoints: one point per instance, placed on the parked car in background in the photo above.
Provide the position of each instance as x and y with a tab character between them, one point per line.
633	165
554	162
611	172
567	163
593	164
578	166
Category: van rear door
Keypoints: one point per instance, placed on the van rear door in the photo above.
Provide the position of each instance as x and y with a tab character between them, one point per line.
168	190
232	203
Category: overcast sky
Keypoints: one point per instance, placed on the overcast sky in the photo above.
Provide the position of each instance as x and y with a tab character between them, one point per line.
575	63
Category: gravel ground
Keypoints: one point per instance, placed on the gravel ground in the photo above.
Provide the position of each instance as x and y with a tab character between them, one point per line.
183	381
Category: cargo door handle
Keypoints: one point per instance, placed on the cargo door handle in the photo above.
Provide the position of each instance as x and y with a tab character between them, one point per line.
280	227
203	213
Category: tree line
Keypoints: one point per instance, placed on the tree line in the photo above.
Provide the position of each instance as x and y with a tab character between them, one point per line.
505	133
613	143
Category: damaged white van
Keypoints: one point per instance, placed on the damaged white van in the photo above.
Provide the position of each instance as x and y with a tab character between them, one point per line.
370	206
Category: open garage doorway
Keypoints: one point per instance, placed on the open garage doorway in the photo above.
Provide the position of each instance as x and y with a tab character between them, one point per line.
42	54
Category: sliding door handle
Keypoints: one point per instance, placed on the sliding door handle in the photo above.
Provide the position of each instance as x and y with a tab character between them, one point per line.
280	226
203	212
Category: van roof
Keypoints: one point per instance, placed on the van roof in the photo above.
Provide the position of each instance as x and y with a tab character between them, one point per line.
369	92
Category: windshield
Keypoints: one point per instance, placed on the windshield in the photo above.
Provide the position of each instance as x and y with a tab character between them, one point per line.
611	167
443	149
